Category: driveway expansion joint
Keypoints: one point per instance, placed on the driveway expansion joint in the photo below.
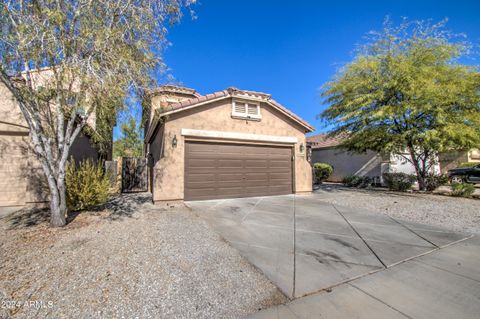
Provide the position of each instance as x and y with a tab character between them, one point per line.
360	236
379	300
414	232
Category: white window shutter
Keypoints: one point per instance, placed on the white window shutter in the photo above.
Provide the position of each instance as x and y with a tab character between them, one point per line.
240	108
252	109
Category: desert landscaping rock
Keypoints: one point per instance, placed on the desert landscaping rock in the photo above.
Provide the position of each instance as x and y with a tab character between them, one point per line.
138	262
453	213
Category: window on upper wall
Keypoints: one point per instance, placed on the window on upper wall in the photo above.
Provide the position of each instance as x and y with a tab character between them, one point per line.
247	110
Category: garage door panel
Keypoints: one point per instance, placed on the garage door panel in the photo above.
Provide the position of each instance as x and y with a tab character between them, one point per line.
201	192
280	190
228	177
229	149
234	170
279	163
278	151
279	175
202	163
233	191
202	177
201	184
261	178
254	191
201	148
256	163
253	183
230	163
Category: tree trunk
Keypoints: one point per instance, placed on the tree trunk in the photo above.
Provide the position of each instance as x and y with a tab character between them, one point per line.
57	212
62	195
418	170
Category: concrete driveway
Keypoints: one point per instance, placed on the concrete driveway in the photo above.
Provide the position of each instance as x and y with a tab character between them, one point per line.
306	246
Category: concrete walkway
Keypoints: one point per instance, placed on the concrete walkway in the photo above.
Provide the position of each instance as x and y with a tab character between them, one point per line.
339	262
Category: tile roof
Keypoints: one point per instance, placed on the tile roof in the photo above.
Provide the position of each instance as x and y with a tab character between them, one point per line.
323	141
173	89
231	92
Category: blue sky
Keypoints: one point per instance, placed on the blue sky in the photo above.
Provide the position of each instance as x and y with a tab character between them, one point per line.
290	48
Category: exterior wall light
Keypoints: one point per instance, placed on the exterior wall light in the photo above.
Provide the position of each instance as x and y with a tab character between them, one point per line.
302	148
174	141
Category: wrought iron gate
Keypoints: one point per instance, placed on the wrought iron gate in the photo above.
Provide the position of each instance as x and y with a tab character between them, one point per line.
134	174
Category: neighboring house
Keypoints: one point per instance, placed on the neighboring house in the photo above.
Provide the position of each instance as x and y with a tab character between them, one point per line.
326	149
22	180
227	144
450	160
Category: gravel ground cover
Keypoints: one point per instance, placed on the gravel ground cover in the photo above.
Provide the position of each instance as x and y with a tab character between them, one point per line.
131	260
457	214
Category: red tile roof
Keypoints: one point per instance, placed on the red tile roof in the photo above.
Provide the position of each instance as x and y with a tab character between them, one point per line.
323	141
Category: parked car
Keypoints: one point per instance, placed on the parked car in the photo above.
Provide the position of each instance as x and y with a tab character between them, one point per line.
461	175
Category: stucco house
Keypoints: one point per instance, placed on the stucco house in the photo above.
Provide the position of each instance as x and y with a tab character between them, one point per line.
325	149
451	160
22	181
232	143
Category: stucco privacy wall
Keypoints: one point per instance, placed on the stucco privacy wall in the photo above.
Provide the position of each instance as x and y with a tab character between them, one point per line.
346	163
216	116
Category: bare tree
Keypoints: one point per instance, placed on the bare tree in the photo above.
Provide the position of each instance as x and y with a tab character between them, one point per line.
66	61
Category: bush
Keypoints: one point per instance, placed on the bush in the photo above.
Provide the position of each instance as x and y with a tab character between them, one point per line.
433	181
87	185
468	164
322	172
357	181
398	181
462	189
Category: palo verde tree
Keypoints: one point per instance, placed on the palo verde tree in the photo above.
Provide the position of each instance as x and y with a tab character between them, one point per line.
405	91
66	62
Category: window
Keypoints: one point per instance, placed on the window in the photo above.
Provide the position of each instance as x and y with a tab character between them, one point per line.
248	110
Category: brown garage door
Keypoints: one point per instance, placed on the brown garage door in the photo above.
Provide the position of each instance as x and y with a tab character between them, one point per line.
215	170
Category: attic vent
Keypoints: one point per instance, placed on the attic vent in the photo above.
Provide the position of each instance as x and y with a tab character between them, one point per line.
252	109
248	110
240	108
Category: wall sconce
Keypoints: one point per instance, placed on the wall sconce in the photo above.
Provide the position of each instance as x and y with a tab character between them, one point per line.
302	148
174	141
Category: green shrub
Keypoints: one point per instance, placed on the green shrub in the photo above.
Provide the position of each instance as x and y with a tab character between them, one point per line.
357	181
468	164
462	189
87	185
347	180
433	181
322	172
398	181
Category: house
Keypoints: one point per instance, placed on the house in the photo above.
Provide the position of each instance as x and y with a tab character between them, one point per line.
325	149
449	160
231	143
22	181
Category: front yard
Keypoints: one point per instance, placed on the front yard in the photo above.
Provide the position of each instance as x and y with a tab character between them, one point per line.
454	213
131	260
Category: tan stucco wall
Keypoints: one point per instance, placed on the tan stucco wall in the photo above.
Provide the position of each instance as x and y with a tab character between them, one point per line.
474	155
11	119
169	170
22	180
